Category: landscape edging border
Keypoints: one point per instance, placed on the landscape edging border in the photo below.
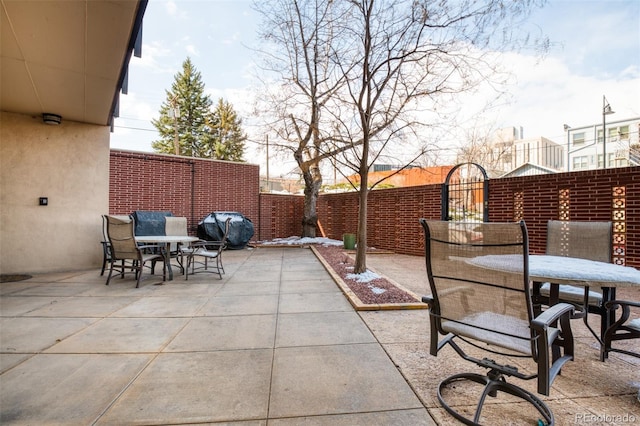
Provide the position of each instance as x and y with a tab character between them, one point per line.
355	301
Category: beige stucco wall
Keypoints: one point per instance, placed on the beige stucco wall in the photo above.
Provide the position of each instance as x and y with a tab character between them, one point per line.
69	164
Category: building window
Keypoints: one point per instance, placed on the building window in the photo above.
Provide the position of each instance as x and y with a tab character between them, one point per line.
611	160
581	162
624	133
620	162
578	138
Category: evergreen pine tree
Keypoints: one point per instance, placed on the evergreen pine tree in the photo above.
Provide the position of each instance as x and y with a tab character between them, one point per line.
228	137
185	116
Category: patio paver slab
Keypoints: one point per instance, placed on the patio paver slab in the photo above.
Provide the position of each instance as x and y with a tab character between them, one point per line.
122	335
321	328
197	387
338	379
70	389
225	333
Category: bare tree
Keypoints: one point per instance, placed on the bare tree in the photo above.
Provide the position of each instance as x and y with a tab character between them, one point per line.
484	147
301	36
358	77
402	55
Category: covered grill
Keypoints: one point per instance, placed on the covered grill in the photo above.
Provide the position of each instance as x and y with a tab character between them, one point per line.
211	228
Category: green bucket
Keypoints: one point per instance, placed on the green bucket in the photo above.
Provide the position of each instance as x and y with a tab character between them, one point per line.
349	241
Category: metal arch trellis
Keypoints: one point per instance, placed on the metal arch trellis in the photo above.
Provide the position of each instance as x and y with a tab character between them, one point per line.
465	194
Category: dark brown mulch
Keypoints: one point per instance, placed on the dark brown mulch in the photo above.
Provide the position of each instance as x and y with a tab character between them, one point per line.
377	291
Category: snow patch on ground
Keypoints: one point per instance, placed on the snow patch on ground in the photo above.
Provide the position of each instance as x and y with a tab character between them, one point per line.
302	241
364	277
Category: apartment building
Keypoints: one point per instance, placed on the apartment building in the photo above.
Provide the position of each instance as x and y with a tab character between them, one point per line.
510	151
587	147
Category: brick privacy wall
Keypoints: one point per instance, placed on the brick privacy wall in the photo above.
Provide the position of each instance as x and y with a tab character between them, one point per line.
392	219
280	216
188	187
142	181
590	197
393	213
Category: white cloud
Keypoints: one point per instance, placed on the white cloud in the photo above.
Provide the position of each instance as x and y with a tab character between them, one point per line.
595	54
154	58
192	50
172	10
233	39
544	95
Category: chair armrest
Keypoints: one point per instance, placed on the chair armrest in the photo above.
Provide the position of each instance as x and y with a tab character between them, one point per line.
551	315
148	246
610	304
209	245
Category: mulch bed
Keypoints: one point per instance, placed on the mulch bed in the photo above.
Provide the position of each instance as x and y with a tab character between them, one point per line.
379	293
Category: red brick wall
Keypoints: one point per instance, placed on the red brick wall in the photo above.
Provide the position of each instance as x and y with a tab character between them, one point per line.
587	195
280	216
142	181
394	213
187	187
392	220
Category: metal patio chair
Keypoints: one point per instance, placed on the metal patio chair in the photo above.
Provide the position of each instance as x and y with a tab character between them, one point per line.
123	246
622	329
584	240
203	252
176	226
106	245
491	310
106	248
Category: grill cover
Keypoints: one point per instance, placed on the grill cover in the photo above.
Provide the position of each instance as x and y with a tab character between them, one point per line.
211	228
149	222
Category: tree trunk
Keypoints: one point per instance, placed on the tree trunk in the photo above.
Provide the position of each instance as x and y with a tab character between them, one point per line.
361	238
312	184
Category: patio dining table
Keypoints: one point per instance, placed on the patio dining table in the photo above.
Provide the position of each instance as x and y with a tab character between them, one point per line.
558	270
167	240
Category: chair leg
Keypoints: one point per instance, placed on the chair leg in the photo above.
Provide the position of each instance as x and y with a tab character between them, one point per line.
106	256
493	382
139	273
110	272
180	259
186	269
104	264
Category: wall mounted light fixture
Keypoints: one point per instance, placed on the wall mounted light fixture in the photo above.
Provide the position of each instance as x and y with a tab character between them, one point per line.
53	119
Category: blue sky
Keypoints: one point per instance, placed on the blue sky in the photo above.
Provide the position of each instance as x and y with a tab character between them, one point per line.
595	51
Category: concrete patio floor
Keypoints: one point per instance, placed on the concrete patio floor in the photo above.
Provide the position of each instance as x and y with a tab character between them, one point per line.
275	342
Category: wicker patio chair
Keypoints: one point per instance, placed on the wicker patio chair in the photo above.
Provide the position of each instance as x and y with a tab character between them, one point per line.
491	310
123	246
